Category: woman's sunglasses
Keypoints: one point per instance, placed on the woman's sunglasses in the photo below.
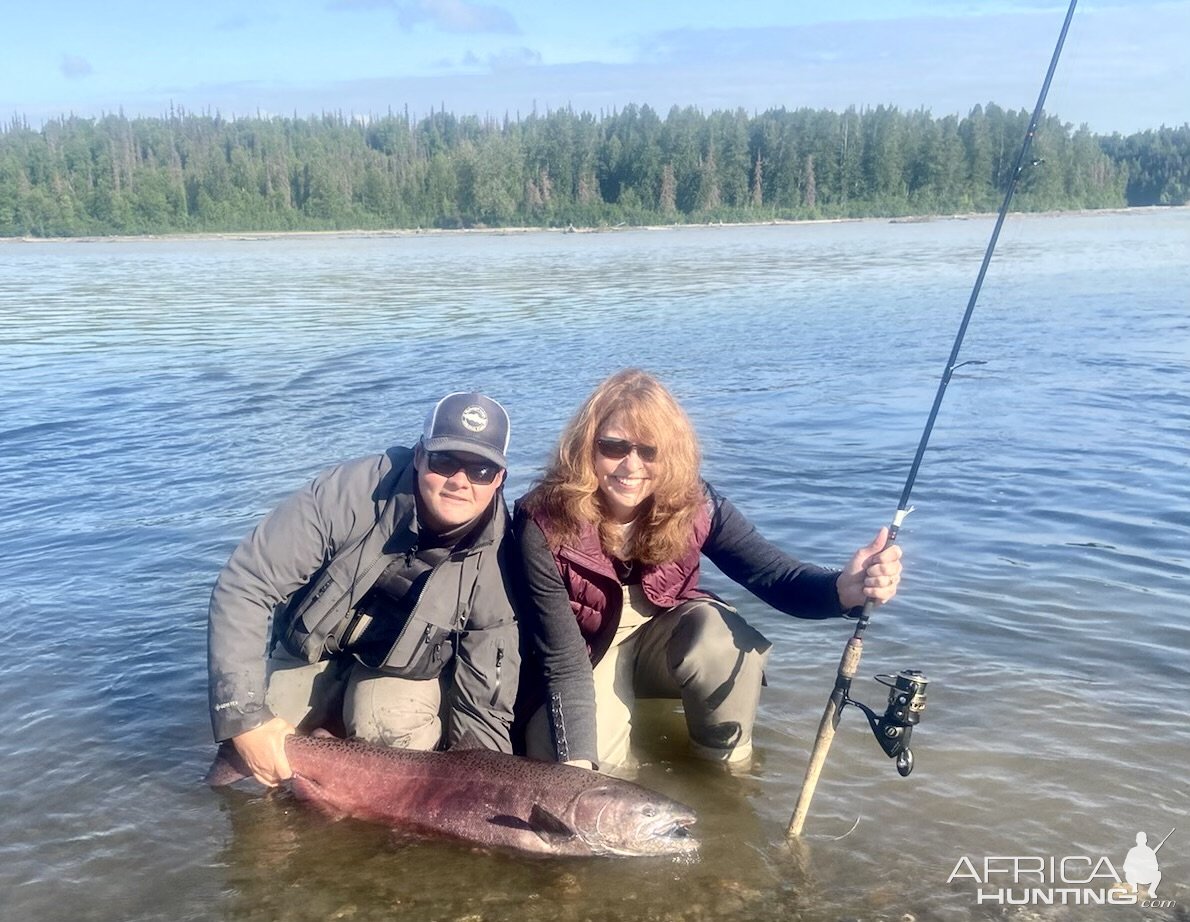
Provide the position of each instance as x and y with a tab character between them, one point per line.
444	464
615	449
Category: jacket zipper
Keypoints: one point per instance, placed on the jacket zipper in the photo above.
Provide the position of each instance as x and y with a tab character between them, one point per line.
499	667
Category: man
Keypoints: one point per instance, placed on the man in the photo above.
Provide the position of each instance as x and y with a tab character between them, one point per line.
1140	865
384	579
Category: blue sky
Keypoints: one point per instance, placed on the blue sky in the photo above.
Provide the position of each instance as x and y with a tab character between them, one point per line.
1123	68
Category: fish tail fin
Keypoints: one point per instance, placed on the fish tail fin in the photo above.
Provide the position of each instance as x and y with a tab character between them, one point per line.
228	767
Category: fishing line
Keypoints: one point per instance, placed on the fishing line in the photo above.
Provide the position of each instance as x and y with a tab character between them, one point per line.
907	690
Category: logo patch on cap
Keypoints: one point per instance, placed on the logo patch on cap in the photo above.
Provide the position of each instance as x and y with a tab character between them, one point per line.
475	418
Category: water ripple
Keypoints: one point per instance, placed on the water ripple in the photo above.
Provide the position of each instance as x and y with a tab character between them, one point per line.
157	397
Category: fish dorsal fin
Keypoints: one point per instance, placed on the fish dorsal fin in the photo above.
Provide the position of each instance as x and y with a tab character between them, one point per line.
467	741
547	825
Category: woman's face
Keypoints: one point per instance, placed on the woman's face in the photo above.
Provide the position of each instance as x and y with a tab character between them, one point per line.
625	481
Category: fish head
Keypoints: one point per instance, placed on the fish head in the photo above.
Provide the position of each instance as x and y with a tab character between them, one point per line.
632	821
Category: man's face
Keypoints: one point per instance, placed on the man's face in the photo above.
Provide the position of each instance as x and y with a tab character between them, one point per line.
449	501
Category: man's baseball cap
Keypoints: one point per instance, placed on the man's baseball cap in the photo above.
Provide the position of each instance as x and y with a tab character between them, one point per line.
468	422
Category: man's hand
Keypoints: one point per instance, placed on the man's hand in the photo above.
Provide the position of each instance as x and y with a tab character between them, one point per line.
263	749
872	573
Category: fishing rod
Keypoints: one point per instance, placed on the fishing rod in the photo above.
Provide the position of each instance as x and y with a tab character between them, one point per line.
907	690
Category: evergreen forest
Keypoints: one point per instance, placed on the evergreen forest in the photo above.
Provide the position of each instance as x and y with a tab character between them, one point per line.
205	173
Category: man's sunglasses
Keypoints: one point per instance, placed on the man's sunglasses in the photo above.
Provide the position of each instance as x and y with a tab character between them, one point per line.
615	449
444	464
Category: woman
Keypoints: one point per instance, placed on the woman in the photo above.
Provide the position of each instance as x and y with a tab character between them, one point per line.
611	539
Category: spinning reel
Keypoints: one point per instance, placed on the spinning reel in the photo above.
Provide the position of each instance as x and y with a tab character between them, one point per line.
906	701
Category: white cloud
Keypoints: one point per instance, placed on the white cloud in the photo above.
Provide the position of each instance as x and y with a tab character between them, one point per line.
514	59
456	16
75	67
232	24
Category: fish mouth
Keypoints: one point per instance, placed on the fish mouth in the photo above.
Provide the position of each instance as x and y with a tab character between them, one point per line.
667	836
673	834
676	825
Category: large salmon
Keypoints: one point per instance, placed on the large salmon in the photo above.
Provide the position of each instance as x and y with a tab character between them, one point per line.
478	796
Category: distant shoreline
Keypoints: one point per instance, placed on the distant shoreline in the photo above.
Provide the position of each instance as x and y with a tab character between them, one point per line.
515	231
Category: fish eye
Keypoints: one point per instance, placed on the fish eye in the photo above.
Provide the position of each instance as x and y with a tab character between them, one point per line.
650	810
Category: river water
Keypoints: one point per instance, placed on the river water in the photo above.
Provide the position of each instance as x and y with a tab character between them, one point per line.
158	396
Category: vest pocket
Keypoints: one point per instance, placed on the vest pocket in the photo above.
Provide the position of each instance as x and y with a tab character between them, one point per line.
489	667
306	621
420	651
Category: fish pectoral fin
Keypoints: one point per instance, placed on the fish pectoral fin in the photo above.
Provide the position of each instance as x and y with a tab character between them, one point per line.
547	825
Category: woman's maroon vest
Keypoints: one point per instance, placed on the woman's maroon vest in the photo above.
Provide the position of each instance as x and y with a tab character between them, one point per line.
596	596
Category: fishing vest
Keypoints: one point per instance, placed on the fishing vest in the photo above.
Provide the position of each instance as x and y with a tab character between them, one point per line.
396	607
384	615
596	594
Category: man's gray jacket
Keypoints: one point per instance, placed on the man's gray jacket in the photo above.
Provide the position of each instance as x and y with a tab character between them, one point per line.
312	559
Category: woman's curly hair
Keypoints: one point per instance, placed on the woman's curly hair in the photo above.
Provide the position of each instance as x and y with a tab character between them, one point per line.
568	495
